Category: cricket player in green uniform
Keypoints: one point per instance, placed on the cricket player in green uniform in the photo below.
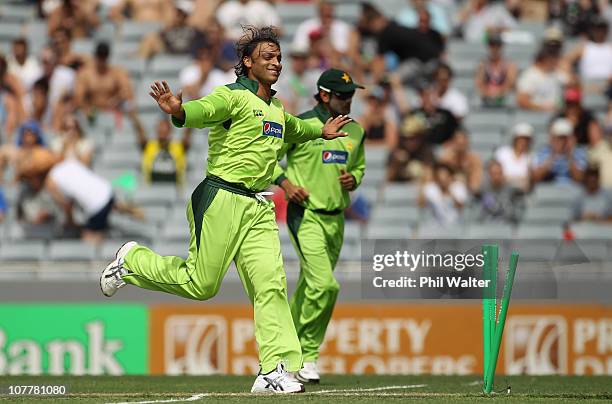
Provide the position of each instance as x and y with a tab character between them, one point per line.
229	219
317	182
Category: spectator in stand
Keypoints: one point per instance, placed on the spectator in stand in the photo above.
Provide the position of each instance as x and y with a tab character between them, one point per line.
294	87
539	87
409	16
441	123
449	97
71	142
379	119
164	160
406	50
233	14
325	24
560	161
3	206
593	204
444	197
465	163
38	108
102	86
61	42
9	115
12	84
516	159
143	11
575	15
593	57
323	56
77	16
586	128
22	65
496	75
480	17
223	50
70	183
179	37
412	159
201	77
61	78
499	200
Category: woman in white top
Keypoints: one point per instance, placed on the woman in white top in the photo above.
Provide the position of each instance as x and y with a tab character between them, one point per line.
516	159
71	142
594	57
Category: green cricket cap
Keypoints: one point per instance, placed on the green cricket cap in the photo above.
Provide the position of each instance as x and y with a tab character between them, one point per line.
338	81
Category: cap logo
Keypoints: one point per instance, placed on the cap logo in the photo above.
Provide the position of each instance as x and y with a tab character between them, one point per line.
346	77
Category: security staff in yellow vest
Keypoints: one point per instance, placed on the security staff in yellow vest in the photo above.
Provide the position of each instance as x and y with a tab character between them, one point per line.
164	160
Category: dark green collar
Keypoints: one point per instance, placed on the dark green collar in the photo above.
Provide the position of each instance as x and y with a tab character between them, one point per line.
321	112
251	85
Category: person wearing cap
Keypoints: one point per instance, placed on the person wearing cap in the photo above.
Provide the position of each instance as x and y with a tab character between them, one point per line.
496	75
317	182
586	128
413	158
560	161
593	56
516	158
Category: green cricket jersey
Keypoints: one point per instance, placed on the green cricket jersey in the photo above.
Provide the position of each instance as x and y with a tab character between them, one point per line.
316	165
246	134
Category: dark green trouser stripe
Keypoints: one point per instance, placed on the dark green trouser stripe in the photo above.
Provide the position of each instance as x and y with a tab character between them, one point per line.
201	198
295	214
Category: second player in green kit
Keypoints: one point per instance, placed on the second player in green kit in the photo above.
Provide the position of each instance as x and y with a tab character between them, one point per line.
317	181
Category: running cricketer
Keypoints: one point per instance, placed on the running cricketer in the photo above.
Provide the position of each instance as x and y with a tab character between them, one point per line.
317	182
229	218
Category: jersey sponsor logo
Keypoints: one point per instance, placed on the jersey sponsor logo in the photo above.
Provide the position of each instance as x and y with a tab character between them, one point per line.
272	129
334	157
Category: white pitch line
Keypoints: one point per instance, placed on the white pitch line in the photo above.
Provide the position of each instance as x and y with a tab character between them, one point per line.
408	386
202	395
171	400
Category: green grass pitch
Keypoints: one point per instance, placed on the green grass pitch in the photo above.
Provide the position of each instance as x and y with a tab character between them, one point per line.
333	389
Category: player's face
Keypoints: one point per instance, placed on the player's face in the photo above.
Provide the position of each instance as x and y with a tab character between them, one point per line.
266	63
340	103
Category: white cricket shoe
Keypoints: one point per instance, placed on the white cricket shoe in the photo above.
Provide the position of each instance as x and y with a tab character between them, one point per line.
111	278
309	373
278	381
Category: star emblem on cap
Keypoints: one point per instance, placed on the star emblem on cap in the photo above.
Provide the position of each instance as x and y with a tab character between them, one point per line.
346	77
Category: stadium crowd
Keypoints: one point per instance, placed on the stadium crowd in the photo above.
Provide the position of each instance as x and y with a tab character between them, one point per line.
470	108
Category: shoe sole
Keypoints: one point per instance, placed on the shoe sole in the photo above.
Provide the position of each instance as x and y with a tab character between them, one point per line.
305	380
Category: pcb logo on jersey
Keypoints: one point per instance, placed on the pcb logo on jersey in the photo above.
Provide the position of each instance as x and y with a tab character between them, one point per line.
272	129
334	157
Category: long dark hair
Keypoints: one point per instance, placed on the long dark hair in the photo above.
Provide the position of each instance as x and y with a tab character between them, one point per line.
248	42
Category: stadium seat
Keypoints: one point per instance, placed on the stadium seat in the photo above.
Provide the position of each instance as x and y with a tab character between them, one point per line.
595	231
553	195
536	249
71	250
380	231
374	176
128	228
490	231
398	215
16	13
156	194
25	250
292	12
399	194
169	65
10	30
546	215
526	231
155	214
133	31
376	156
175	249
125	159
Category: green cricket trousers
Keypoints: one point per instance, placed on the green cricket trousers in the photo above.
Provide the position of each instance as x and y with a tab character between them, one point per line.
317	237
228	222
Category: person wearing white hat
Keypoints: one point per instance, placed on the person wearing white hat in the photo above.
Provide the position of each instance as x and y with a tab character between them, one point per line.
516	159
560	161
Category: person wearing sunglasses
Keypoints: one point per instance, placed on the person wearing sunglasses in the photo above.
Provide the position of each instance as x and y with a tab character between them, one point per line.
317	182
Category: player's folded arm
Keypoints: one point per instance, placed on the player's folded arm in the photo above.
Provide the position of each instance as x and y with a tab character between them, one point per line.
208	111
357	169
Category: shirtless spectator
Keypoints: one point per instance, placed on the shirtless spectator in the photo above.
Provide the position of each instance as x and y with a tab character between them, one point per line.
161	11
177	38
103	86
22	65
466	164
77	16
496	75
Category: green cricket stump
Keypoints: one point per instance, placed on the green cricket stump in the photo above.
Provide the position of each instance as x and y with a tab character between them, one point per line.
492	324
